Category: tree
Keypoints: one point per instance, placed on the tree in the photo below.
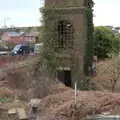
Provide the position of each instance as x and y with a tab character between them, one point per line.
107	42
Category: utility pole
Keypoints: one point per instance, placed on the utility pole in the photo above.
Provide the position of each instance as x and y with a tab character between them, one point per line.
5	21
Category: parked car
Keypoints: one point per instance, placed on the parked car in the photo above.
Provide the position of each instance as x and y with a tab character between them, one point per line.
37	48
21	49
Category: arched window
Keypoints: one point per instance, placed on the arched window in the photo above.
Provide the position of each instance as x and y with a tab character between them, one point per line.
65	34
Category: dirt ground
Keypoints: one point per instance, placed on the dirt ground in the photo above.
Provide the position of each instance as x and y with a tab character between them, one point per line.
62	106
60	103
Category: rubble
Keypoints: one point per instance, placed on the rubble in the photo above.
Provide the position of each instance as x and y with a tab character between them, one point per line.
22	114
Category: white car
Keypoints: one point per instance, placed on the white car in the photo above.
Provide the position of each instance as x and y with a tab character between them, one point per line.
37	48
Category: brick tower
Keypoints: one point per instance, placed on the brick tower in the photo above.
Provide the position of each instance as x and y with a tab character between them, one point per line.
71	38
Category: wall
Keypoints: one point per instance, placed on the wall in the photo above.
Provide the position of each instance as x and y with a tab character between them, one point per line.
73	58
65	3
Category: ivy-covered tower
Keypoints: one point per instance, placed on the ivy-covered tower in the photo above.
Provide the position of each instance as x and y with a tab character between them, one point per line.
70	27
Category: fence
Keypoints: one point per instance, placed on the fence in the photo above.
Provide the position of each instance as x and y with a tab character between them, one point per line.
103	117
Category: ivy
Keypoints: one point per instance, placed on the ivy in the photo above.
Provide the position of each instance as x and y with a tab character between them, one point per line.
90	41
48	57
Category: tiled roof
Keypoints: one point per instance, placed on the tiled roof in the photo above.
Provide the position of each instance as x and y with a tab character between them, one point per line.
31	34
15	34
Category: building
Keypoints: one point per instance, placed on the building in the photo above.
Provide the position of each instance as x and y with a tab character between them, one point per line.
13	37
19	37
30	37
70	42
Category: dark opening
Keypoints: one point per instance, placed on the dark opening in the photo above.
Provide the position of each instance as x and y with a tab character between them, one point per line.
65	77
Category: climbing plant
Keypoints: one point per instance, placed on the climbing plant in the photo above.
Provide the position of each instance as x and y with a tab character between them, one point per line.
90	41
48	59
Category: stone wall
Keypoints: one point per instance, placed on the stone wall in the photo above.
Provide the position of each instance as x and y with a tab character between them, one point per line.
73	11
65	3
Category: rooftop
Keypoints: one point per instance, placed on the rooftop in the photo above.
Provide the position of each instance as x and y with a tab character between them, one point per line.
15	34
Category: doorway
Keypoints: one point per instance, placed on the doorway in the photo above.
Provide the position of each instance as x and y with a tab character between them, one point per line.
65	77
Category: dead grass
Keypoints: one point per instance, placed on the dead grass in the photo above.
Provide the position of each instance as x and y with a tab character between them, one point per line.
57	100
61	106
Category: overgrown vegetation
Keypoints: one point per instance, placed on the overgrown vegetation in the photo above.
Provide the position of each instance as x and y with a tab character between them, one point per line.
107	42
108	77
90	41
49	61
48	56
115	74
5	100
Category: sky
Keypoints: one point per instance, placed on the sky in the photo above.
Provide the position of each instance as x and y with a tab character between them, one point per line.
20	12
26	12
106	12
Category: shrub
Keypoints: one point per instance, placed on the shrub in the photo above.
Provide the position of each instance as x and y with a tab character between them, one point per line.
107	42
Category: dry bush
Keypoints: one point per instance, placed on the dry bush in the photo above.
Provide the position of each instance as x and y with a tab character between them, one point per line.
40	87
108	77
17	80
43	84
17	75
61	106
6	94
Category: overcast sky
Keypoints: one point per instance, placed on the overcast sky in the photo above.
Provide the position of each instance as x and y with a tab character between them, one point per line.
107	12
26	12
20	12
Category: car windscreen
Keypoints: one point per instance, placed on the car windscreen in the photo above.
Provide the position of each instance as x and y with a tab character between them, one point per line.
16	48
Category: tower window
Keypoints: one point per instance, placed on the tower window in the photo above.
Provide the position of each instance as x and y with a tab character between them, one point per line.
65	34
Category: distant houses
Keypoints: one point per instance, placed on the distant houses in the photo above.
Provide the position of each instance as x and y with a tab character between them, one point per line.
19	37
30	37
9	37
14	37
